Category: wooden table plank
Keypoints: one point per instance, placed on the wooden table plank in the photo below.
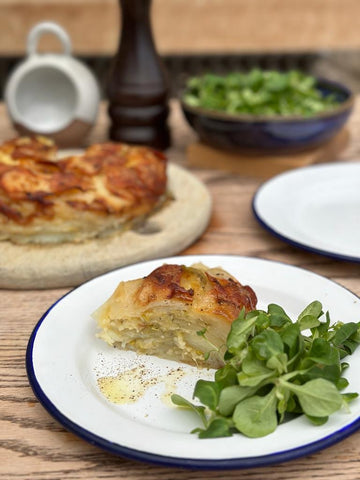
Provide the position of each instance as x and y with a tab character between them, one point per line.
188	26
35	447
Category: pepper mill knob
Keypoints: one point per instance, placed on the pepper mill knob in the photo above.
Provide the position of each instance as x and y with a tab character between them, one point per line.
137	86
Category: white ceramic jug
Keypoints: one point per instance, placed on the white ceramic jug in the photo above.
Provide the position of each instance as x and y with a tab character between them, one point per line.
52	94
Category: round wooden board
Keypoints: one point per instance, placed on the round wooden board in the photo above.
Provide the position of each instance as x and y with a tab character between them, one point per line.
167	232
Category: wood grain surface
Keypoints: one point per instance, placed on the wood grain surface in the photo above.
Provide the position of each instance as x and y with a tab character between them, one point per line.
188	26
36	447
264	166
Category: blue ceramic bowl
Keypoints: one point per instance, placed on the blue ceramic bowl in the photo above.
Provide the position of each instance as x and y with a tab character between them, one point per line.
275	134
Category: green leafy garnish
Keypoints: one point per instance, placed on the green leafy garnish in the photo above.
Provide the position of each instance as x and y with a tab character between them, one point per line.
259	92
273	371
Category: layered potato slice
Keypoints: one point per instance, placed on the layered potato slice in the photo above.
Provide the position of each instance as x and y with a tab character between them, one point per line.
176	312
107	188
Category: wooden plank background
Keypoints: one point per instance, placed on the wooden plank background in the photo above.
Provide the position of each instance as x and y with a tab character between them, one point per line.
192	26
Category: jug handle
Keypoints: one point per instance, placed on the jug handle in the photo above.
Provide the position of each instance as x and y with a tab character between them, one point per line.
48	27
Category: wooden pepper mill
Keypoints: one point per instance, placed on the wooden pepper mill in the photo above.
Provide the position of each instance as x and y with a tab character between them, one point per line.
137	87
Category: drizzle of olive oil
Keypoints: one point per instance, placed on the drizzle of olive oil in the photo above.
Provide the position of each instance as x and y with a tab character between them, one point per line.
171	380
129	386
126	387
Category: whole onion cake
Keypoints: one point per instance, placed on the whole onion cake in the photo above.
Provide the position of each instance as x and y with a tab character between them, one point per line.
105	189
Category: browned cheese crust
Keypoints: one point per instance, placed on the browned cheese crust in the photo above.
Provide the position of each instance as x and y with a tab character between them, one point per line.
106	188
211	291
176	312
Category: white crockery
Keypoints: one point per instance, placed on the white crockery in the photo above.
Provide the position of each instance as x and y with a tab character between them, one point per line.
316	208
52	94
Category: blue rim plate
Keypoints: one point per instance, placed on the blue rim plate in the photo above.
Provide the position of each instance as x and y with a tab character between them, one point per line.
316	208
65	359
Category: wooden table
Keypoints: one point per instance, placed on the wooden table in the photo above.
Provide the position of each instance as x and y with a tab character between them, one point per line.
34	446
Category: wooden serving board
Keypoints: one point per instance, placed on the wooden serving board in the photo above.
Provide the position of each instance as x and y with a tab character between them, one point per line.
166	232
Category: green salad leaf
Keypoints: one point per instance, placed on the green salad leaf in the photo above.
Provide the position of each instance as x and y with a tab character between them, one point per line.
274	369
259	92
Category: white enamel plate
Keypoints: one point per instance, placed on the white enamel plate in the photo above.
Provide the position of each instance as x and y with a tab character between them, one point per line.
65	359
316	208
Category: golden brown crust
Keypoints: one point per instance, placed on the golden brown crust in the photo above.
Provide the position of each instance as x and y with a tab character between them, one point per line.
225	296
164	283
113	181
230	297
33	148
